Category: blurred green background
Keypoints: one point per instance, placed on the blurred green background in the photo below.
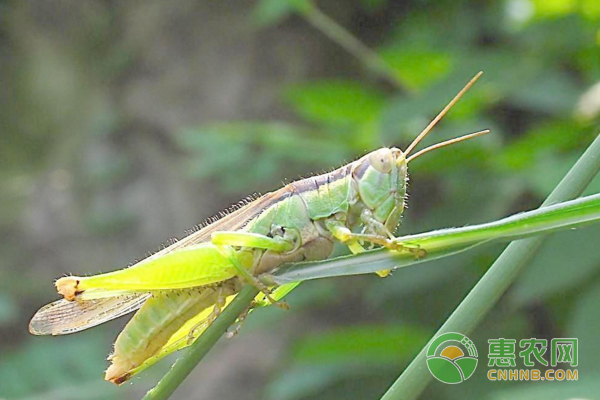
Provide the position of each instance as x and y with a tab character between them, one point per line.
125	123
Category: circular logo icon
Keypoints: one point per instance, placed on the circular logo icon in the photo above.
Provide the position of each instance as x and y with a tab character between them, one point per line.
452	358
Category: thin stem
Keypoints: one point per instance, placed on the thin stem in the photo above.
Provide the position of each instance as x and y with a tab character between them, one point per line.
183	366
351	44
497	279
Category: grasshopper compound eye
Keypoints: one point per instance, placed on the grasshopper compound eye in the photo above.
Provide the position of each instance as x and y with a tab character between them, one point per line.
382	160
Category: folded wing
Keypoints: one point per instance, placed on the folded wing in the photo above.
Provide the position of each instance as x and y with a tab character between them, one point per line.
63	317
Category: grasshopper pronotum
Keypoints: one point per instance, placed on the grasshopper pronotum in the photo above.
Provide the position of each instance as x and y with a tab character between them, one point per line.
181	289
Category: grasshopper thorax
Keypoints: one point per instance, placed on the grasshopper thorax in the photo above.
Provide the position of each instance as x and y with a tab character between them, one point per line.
380	180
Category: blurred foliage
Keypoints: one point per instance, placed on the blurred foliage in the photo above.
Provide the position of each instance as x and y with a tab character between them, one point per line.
48	363
541	60
343	355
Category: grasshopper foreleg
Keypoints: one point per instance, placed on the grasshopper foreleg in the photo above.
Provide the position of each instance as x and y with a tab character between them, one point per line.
351	239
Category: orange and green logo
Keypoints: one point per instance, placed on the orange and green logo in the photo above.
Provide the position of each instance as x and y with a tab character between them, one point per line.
452	358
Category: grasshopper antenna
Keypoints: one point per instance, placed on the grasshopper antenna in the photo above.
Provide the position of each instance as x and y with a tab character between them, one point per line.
441	115
446	143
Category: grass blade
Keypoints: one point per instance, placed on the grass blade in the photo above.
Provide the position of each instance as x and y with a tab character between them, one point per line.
446	242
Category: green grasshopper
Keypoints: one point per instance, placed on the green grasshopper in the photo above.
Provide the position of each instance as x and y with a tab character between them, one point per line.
180	290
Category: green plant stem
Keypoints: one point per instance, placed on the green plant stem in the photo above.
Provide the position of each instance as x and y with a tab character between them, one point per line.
497	279
184	365
351	44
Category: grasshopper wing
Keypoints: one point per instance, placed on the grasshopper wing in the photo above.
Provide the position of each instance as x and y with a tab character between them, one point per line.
63	317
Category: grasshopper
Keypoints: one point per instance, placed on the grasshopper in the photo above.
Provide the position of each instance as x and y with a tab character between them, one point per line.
180	290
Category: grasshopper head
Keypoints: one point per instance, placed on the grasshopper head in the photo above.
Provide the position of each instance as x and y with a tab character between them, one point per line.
381	178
